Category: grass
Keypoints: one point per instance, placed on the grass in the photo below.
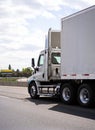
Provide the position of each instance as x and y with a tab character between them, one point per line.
11	81
8	79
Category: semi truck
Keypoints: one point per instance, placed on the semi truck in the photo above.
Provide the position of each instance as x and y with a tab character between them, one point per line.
66	67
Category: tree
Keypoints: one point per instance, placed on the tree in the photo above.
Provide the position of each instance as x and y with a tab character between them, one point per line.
26	71
9	67
18	73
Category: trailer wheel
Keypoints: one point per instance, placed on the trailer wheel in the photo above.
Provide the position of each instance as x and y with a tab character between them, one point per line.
67	94
33	91
85	95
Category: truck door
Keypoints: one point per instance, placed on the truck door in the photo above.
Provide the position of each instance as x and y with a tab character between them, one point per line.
40	71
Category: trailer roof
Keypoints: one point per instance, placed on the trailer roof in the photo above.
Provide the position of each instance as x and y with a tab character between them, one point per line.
78	13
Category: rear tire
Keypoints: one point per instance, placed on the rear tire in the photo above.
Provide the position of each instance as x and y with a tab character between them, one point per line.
33	91
85	95
68	94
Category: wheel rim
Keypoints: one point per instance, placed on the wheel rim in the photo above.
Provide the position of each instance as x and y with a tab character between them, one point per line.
33	91
84	96
66	94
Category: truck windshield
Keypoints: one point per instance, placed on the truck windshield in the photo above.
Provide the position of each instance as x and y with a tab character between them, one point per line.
55	58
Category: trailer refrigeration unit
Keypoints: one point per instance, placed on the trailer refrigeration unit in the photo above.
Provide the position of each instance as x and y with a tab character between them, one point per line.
72	77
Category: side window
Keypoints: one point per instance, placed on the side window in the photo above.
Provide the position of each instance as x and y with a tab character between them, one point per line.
41	60
56	58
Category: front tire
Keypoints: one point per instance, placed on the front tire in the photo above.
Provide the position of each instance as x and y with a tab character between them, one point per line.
85	95
33	91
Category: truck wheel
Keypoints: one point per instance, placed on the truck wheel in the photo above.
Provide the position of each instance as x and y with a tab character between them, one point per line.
85	95
33	91
67	94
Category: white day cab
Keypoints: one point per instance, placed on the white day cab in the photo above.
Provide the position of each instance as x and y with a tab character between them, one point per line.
67	65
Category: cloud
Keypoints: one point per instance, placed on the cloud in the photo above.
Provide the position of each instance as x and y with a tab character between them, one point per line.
51	4
89	2
24	23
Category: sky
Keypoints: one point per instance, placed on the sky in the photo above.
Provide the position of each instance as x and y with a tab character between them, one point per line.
24	24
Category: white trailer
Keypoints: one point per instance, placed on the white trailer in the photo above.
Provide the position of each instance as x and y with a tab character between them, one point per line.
78	56
73	79
78	45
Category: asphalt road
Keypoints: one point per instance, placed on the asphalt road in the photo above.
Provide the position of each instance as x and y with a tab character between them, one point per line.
19	112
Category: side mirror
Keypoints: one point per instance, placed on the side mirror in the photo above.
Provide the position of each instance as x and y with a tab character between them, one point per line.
33	62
